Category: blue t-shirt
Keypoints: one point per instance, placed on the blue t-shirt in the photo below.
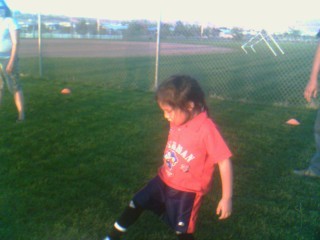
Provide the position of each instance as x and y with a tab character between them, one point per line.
6	24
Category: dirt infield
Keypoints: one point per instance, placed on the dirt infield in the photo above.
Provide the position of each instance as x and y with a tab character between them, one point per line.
101	48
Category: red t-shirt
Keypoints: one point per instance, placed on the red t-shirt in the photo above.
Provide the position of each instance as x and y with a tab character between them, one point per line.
191	152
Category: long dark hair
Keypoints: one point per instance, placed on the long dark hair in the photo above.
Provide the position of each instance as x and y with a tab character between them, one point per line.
179	90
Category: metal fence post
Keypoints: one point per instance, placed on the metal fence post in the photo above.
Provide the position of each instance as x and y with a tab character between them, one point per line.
157	54
39	44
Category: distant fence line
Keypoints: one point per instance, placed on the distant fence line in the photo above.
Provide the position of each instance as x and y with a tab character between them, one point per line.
72	36
270	70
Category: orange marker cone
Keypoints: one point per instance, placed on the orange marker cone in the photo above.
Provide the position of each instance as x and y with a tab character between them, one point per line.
65	91
293	122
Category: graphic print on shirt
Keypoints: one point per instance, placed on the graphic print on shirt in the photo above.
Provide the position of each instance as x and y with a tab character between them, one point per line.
171	159
175	152
180	150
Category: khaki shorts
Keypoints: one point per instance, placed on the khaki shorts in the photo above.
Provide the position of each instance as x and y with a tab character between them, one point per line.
12	80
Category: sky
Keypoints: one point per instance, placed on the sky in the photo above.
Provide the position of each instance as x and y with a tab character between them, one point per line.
273	15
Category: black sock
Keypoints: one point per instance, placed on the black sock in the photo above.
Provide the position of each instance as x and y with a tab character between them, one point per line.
185	236
130	214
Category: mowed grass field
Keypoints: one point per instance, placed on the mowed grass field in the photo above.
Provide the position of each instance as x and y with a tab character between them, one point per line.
70	168
254	77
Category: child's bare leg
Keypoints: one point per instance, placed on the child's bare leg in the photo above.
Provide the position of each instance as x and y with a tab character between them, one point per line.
19	101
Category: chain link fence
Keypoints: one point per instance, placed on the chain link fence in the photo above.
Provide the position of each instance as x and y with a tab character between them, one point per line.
230	63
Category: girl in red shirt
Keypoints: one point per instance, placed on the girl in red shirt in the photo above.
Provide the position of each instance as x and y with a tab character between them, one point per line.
193	149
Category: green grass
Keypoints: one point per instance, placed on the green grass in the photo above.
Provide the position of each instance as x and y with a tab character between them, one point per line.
67	172
255	77
252	78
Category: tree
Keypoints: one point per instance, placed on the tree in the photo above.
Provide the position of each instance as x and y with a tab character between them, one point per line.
136	28
179	29
296	34
237	33
166	30
82	27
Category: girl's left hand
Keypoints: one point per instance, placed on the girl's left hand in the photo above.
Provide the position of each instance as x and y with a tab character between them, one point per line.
224	208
